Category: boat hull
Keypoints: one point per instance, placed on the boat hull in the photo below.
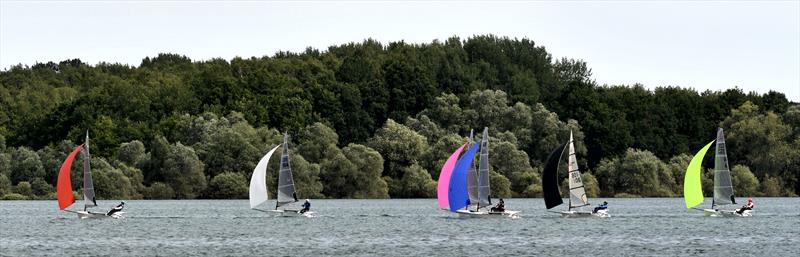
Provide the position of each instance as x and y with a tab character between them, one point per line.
291	213
97	215
585	214
726	213
487	214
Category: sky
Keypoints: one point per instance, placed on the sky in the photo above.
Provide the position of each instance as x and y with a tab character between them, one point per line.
716	45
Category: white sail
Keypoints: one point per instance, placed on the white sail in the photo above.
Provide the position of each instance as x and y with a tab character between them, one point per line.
258	183
723	188
88	183
577	194
484	190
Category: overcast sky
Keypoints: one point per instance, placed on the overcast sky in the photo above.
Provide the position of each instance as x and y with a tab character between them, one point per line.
715	45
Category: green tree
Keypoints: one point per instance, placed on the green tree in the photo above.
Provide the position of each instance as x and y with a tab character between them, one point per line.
228	185
159	190
368	166
400	147
417	183
27	165
744	182
131	153
24	188
638	172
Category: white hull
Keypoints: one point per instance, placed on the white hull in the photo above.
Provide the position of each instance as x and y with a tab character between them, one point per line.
291	213
487	214
585	214
726	213
97	215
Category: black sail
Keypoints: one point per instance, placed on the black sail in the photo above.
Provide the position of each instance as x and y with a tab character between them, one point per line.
552	194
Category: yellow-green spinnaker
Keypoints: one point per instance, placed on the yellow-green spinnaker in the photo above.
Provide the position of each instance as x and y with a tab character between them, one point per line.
692	185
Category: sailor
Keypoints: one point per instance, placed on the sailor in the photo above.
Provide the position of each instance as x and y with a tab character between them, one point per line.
306	206
500	207
748	206
116	209
602	206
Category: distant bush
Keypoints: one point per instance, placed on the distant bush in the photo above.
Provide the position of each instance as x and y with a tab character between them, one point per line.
14	196
159	190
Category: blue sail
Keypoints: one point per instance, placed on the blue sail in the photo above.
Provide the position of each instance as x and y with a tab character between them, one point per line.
458	197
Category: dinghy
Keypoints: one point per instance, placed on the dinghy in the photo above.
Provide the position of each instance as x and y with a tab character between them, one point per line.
577	194
64	186
286	190
469	188
723	188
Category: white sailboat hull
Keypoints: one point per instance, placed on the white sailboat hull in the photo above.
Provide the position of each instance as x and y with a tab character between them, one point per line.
291	213
585	214
97	215
487	214
727	213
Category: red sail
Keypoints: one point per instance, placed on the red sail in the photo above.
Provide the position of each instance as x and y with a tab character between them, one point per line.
64	186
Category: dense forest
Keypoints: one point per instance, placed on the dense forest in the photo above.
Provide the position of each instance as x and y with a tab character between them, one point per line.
373	120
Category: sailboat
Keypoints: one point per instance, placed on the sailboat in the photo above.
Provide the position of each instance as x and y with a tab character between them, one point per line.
286	190
723	188
64	186
577	193
467	187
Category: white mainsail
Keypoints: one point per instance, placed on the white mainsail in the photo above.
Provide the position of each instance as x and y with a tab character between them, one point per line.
577	194
258	182
723	188
88	183
484	190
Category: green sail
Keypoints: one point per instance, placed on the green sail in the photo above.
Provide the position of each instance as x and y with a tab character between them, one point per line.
692	185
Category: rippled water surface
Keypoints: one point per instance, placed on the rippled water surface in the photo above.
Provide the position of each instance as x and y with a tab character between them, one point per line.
414	227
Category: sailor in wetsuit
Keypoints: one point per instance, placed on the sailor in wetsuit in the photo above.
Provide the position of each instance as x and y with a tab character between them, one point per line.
306	206
116	209
500	207
601	207
748	206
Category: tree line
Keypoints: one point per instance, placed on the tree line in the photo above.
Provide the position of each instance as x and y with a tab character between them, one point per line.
369	120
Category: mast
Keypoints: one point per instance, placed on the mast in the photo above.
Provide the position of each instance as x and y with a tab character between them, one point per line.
723	188
286	191
577	194
484	189
88	184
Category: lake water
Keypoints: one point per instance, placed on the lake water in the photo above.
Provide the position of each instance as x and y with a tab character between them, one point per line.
414	227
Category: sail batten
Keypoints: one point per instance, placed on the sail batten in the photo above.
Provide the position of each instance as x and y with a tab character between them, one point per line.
258	182
286	190
484	189
444	177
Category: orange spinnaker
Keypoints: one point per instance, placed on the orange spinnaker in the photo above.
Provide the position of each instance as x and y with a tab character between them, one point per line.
64	186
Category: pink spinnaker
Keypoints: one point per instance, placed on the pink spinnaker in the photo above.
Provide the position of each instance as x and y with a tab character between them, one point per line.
444	177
